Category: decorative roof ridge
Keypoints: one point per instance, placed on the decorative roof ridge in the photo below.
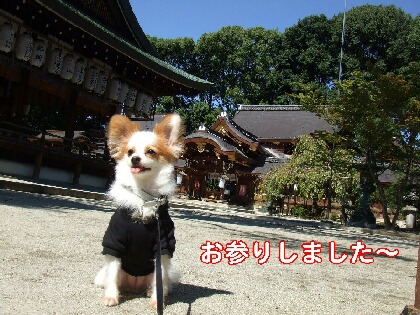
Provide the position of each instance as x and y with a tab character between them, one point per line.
241	131
215	136
269	107
218	138
156	60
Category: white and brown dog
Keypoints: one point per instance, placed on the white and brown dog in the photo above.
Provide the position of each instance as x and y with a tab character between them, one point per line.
144	174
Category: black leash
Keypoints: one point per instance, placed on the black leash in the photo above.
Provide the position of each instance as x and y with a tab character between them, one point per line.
158	267
158	271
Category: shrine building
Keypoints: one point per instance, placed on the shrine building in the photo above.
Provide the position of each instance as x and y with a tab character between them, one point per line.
84	59
226	161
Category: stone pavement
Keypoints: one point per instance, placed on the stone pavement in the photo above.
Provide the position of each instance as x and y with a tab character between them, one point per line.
50	251
62	189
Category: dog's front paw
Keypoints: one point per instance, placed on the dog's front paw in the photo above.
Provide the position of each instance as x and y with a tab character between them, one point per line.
153	303
110	301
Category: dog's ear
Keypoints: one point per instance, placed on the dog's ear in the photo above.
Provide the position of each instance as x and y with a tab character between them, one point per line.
172	129
120	129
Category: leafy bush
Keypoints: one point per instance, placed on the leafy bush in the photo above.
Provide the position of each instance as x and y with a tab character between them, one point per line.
302	212
334	217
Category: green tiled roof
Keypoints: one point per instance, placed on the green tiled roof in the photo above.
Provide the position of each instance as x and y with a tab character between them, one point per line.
153	63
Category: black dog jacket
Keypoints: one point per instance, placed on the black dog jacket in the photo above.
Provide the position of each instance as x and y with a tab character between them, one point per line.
135	242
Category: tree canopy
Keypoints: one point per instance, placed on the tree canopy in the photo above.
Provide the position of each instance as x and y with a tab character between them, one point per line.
375	108
320	167
378	114
260	66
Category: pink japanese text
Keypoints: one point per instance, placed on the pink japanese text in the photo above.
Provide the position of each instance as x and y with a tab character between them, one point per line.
237	251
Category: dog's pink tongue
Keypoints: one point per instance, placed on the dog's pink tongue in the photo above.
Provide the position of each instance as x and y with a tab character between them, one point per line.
136	170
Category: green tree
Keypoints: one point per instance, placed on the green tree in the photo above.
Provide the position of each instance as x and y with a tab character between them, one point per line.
379	116
196	114
319	168
179	52
406	116
413	40
243	65
259	66
310	52
374	35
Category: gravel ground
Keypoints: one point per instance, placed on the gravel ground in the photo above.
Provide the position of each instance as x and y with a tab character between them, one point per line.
50	252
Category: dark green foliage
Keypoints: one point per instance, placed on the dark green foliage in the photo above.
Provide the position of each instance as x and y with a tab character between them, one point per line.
260	66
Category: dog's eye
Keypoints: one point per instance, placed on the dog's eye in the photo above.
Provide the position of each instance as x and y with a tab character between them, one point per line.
130	152
150	151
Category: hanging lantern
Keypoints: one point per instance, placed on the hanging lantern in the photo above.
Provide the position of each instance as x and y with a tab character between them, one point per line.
24	46
123	93
55	61
147	104
102	82
114	89
91	78
179	179
38	53
129	112
140	100
222	183
131	97
7	36
79	71
69	64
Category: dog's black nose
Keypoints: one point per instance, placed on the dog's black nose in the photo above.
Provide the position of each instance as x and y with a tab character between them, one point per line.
135	160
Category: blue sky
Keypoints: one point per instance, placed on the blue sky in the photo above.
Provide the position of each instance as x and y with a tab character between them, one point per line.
192	18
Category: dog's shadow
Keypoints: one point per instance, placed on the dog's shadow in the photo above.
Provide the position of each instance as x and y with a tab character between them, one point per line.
181	293
189	293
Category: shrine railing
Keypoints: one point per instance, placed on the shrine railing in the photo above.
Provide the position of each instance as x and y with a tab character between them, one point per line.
80	147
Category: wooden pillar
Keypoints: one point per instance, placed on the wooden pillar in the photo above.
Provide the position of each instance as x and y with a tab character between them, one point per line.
38	158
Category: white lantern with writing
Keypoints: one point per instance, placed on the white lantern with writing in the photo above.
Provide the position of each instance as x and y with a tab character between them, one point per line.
147	104
55	61
131	97
114	89
141	97
38	53
67	70
102	82
123	93
91	78
24	46
7	37
79	71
